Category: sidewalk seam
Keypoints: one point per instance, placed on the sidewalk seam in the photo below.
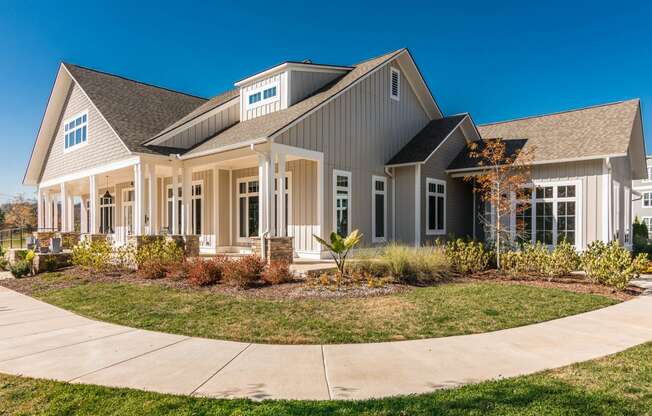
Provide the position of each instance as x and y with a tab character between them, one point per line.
328	384
192	393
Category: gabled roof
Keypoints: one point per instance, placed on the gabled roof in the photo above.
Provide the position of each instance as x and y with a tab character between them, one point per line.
135	110
603	130
267	126
419	149
464	160
209	105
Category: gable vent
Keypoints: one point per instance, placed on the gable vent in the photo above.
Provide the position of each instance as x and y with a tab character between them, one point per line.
395	84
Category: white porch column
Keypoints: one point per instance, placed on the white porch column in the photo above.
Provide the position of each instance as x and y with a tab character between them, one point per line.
39	210
152	203
186	196
271	206
262	195
280	215
63	197
216	204
71	212
83	226
93	204
175	199
139	196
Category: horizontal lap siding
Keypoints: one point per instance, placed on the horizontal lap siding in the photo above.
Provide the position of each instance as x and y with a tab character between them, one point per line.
359	131
103	147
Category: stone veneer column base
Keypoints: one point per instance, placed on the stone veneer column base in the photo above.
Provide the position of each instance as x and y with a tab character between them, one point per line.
69	240
276	248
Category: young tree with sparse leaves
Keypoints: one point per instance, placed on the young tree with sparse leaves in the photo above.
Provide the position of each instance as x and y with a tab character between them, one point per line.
505	177
20	213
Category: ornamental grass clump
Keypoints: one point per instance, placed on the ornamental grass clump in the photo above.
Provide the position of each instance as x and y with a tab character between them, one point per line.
611	264
420	264
467	256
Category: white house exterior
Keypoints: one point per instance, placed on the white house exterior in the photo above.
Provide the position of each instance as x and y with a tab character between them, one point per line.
356	147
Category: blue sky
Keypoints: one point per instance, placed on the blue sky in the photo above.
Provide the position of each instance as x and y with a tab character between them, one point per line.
496	60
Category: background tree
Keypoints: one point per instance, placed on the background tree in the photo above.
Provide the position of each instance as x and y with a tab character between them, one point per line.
506	176
21	212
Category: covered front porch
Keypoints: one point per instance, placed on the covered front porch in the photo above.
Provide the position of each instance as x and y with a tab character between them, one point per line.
228	199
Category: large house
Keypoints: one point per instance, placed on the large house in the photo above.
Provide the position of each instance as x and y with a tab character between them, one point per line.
642	197
304	148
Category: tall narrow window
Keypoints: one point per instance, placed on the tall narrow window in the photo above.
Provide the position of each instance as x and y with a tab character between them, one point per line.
180	209
342	202
379	208
287	202
435	206
395	84
107	208
524	219
248	208
128	210
197	200
647	199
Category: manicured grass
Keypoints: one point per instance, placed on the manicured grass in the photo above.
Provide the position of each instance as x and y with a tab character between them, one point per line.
444	310
617	385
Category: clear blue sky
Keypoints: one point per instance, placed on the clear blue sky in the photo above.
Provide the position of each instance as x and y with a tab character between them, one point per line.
496	60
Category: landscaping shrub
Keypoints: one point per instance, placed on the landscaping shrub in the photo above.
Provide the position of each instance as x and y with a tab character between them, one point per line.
178	271
562	260
277	272
21	268
539	260
205	272
611	264
159	250
94	256
244	271
152	269
467	256
50	264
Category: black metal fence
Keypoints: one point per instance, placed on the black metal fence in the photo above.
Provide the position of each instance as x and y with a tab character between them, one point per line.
18	237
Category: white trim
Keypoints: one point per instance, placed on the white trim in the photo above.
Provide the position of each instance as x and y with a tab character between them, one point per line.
288	66
434	230
247	195
606	199
643	199
179	213
417	205
90	172
223	149
84	142
648	223
263	101
349	189
374	192
397	96
194	197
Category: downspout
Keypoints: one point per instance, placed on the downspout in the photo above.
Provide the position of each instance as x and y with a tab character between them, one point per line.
391	175
263	235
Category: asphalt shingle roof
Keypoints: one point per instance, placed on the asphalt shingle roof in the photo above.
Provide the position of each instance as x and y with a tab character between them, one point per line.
426	141
268	125
135	110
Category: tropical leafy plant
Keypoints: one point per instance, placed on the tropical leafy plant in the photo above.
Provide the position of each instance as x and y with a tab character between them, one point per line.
340	247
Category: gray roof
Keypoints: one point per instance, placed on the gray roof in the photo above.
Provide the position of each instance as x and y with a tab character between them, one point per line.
603	130
209	105
270	124
135	110
426	141
464	160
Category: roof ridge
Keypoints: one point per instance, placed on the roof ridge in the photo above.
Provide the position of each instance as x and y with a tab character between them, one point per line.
379	56
133	80
590	107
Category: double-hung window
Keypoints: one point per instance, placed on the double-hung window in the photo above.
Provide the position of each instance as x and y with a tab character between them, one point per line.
342	202
379	208
647	199
75	131
435	206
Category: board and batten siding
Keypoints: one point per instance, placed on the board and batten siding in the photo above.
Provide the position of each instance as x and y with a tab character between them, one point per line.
459	194
621	175
302	84
199	132
359	131
405	185
247	114
104	146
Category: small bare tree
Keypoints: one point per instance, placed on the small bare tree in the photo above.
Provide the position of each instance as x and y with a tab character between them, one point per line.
21	212
505	176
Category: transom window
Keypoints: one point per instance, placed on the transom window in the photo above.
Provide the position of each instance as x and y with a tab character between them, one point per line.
75	131
379	208
647	199
263	95
395	84
254	98
342	202
435	206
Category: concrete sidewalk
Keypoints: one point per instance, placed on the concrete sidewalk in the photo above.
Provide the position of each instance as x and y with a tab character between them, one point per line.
40	340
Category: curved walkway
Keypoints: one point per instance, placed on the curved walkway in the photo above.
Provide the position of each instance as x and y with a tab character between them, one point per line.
40	340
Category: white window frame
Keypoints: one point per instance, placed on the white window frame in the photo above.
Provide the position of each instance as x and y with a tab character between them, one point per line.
649	200
247	194
649	174
648	221
193	198
86	123
288	206
374	192
263	101
109	207
627	231
393	71
125	203
349	189
181	209
429	230
579	242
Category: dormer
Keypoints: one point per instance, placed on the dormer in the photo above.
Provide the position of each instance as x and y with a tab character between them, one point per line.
283	85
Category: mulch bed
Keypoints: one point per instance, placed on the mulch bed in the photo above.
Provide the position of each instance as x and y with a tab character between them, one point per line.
302	289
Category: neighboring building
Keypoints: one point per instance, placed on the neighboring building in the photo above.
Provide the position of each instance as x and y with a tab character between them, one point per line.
356	147
642	197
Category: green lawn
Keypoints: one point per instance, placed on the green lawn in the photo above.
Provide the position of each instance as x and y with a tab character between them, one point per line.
444	310
617	385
